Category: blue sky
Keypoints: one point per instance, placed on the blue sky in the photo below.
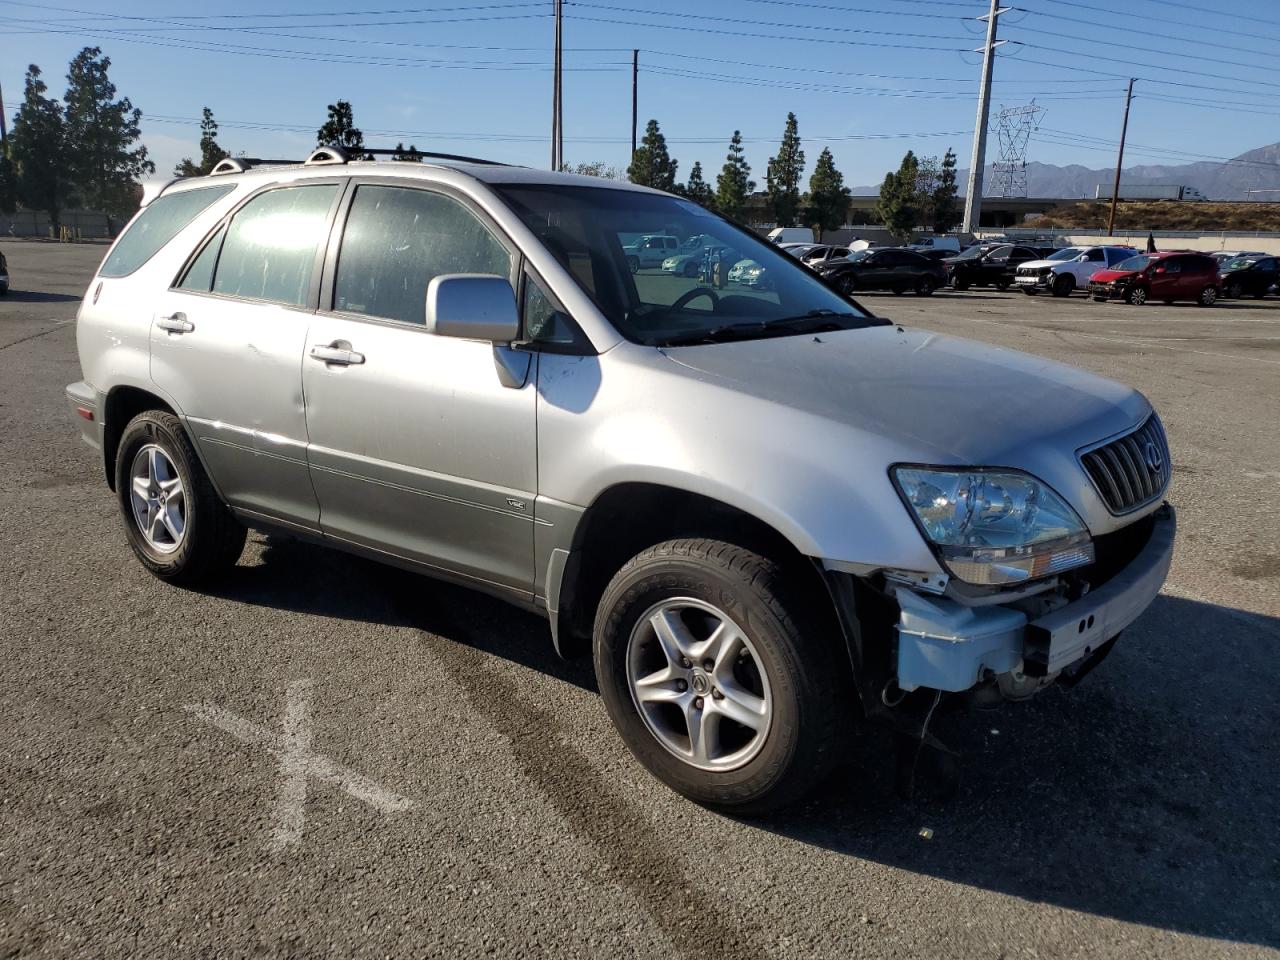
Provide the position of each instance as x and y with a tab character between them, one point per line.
868	78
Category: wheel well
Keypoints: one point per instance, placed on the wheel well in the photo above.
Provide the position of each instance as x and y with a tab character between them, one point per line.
626	519
122	405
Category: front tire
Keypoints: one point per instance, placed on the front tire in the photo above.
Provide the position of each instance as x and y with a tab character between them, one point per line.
176	524
1233	291
1063	286
718	673
924	287
1136	296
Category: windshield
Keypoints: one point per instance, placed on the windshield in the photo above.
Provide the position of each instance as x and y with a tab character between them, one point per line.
587	229
1239	263
1134	263
1070	253
970	253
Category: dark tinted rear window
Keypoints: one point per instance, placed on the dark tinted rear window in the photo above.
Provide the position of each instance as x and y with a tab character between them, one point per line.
157	225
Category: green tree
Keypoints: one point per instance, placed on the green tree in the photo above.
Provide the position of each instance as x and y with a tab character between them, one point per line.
38	149
340	130
408	157
103	156
828	200
594	168
8	182
210	151
896	208
734	184
651	164
785	170
946	212
697	189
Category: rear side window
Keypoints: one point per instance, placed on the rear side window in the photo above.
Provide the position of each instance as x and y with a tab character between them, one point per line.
157	225
200	274
270	248
397	239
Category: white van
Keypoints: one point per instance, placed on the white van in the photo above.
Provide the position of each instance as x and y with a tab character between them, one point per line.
791	235
939	243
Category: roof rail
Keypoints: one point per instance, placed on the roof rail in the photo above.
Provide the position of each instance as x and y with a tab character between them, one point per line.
242	164
429	155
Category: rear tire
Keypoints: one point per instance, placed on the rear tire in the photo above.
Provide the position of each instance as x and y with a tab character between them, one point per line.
960	284
1208	297
177	526
1002	287
633	264
1030	291
779	669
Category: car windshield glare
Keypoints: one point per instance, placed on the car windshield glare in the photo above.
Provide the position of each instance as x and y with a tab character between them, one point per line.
1134	263
1070	253
1239	263
742	288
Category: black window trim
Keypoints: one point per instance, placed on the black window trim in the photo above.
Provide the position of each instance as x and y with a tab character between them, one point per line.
338	224
313	290
581	346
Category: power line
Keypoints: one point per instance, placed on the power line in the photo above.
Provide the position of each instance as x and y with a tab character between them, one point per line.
1129	46
1135	63
1112	12
683	28
702	18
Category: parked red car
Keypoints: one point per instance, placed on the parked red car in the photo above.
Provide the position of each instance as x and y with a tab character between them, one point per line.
1165	276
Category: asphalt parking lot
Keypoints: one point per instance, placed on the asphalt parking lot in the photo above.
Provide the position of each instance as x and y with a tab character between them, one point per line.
327	757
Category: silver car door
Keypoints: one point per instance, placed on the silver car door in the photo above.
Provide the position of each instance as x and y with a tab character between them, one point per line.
421	446
227	344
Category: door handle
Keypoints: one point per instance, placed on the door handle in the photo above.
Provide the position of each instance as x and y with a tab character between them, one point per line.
338	352
175	323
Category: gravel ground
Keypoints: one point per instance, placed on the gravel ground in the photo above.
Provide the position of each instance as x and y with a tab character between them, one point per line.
465	794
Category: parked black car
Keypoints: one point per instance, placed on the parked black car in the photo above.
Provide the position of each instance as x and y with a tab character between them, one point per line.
993	267
4	275
1252	275
888	268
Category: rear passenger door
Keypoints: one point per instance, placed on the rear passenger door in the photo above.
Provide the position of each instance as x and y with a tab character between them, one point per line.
421	446
227	345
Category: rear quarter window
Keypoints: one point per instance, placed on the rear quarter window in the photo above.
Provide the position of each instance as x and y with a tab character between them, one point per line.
157	225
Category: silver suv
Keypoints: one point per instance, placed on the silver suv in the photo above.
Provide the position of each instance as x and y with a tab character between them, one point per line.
767	514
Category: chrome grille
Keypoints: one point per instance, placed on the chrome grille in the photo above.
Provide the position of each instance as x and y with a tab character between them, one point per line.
1132	471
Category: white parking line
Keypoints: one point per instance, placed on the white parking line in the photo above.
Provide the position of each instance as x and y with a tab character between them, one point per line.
298	763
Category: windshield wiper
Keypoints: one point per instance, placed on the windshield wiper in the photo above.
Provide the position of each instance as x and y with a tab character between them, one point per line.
815	321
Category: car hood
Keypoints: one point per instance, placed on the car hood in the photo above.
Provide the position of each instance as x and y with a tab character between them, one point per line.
934	398
1040	264
1106	276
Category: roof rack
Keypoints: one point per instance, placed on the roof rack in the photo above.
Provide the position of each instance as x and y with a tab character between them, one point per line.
334	154
323	156
241	164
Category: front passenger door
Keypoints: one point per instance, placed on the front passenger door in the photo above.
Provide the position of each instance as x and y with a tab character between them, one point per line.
421	446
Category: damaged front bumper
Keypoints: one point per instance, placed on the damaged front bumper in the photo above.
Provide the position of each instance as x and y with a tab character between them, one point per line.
950	645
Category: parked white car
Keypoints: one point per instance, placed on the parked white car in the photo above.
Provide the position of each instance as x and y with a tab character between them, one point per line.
650	251
1069	269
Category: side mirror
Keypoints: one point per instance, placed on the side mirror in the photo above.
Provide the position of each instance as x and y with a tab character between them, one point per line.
473	306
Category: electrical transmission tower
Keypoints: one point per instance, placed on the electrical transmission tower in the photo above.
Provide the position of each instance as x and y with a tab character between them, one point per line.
1014	126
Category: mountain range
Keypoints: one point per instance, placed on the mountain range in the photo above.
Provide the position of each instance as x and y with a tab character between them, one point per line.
1230	180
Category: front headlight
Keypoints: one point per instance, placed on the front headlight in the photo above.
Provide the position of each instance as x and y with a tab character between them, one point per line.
994	527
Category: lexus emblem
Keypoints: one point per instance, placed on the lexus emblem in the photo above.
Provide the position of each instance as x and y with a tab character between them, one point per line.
1155	460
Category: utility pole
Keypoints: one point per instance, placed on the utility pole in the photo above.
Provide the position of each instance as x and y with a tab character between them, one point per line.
1115	187
978	162
635	97
3	132
557	88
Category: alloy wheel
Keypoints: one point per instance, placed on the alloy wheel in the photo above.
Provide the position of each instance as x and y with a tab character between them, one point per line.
698	684
158	498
